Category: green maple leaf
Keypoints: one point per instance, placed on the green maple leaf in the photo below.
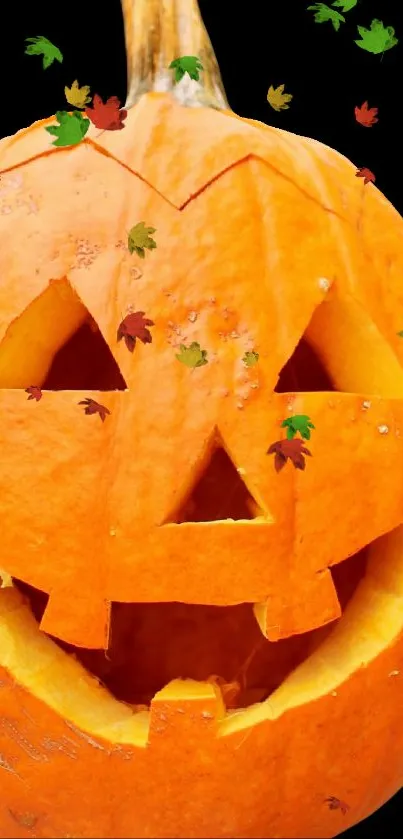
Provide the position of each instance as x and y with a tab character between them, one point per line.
192	356
378	38
187	64
345	5
42	46
71	130
139	238
324	13
301	423
251	358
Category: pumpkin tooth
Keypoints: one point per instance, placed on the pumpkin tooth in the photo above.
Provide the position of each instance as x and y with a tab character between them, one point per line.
186	705
85	625
313	605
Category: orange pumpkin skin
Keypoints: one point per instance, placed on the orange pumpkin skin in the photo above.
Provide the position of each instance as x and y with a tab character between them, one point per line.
86	513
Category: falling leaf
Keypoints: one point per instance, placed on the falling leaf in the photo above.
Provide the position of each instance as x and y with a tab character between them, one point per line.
92	407
251	358
299	422
378	38
106	115
365	173
292	449
277	99
77	96
42	46
189	64
71	130
345	5
134	326
139	238
366	116
337	804
324	13
192	356
34	392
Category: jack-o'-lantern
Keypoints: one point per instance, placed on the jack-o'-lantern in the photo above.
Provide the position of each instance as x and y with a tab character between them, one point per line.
191	642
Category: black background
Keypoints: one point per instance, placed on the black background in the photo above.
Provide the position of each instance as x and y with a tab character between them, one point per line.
257	43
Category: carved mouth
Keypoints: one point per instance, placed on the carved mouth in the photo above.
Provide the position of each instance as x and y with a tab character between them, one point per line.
153	643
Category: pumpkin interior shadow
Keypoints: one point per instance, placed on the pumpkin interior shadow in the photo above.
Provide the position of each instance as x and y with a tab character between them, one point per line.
84	362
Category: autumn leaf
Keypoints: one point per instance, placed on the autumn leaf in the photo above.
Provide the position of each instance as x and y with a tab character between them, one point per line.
34	392
299	423
324	14
337	804
288	449
77	96
71	130
366	116
378	38
139	238
250	358
106	115
365	173
345	5
42	46
189	64
277	99
192	356
134	326
92	407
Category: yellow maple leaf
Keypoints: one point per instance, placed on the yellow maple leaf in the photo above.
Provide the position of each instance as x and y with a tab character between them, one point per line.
277	98
77	96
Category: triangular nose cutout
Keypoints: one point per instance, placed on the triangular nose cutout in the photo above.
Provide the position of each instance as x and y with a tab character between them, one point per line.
55	344
219	493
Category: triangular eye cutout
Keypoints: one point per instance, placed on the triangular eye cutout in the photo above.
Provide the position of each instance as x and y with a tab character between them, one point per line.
84	362
304	372
218	493
56	345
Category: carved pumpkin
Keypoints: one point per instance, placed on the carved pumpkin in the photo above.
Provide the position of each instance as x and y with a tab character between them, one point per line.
246	680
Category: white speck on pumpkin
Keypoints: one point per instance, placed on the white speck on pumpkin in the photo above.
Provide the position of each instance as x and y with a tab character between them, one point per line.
112	532
324	284
383	429
334	693
365	405
239	405
394	673
192	317
207	715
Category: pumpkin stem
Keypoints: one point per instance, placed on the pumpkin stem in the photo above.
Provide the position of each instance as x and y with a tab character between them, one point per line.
156	33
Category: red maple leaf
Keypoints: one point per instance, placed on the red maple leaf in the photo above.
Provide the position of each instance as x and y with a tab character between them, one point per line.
107	115
34	392
366	116
92	407
292	449
366	174
337	804
134	326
